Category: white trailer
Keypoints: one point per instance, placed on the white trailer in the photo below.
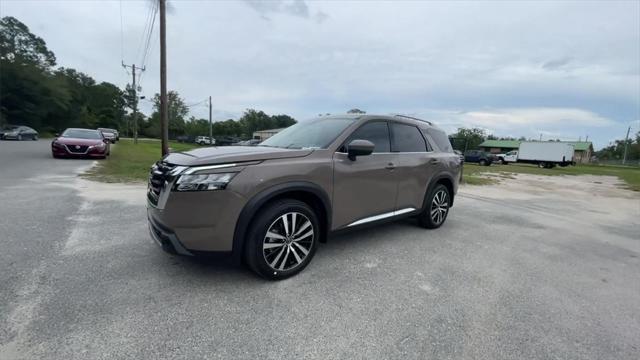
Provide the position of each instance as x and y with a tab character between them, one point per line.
543	153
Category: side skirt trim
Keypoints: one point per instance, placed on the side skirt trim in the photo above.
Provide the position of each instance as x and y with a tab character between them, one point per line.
381	216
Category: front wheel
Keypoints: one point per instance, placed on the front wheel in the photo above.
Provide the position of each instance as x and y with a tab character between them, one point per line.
282	239
35	138
482	162
436	208
19	137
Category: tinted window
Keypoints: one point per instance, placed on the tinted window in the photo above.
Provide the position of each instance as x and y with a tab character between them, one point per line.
407	138
441	139
377	132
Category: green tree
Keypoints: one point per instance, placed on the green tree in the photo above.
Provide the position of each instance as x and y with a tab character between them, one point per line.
282	121
33	93
178	111
253	120
466	139
19	45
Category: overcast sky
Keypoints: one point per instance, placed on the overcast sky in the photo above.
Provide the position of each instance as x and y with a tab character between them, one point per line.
561	69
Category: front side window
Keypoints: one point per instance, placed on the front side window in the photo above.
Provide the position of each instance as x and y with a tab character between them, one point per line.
377	132
406	138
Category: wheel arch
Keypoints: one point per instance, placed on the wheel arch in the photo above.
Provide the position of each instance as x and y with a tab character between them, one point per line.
307	192
443	179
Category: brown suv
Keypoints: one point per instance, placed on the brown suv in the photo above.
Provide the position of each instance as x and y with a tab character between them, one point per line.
271	204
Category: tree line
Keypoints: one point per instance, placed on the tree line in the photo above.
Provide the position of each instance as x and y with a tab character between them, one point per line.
36	93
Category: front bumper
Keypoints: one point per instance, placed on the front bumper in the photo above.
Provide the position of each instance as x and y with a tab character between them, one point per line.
65	152
166	239
198	221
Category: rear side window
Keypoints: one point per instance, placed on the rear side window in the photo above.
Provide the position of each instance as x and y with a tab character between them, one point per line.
406	138
377	132
441	139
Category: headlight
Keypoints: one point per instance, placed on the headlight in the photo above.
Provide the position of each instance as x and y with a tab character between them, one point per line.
200	182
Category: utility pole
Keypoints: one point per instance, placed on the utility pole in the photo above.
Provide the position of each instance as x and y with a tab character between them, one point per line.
626	143
210	122
135	99
164	106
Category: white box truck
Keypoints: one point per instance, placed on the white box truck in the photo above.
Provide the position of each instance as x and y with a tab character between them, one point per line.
542	153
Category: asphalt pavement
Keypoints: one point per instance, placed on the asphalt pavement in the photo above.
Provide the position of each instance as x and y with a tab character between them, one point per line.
521	272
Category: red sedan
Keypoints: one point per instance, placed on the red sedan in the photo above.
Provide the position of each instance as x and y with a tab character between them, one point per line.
80	143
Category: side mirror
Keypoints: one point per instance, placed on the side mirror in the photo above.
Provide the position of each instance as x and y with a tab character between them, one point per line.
57	135
359	148
105	140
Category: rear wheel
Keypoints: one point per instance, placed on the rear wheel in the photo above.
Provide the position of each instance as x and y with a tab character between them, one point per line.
19	137
482	162
437	208
282	239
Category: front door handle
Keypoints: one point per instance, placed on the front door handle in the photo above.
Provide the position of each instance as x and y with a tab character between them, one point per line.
390	166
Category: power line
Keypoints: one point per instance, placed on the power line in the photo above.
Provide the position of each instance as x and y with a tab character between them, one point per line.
147	44
145	30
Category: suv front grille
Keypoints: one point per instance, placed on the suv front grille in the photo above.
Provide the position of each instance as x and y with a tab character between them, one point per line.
160	173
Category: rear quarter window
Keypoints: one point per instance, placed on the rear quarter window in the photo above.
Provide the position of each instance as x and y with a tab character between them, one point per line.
441	139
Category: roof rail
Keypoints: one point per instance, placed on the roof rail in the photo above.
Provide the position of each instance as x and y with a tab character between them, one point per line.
414	118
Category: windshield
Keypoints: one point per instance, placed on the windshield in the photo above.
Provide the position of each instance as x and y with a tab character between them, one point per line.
315	134
82	134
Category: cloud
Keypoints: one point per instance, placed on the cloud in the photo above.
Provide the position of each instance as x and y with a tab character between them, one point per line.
298	8
556	64
527	121
499	65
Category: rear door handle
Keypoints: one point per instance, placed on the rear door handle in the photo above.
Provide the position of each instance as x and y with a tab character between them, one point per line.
434	161
390	166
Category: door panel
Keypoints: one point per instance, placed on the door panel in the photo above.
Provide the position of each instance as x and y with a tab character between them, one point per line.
415	171
363	188
415	166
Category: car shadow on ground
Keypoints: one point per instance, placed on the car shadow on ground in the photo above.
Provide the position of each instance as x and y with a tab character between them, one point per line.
341	245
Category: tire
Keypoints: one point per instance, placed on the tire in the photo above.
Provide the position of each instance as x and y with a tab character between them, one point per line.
436	208
482	162
277	262
541	164
34	138
19	137
503	162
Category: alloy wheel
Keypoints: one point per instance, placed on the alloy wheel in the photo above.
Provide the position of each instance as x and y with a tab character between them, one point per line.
288	241
439	207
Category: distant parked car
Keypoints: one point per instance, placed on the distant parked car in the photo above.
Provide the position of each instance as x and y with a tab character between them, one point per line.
205	140
15	132
80	143
478	156
109	134
185	138
226	140
250	142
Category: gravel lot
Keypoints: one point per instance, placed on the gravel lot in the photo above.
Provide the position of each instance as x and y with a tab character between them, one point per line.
535	268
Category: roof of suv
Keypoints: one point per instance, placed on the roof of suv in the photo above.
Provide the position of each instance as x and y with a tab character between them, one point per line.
407	118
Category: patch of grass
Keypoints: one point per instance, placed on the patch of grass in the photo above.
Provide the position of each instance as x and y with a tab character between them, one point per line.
470	179
630	175
130	162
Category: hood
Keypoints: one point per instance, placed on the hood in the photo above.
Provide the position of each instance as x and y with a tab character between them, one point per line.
232	154
77	141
